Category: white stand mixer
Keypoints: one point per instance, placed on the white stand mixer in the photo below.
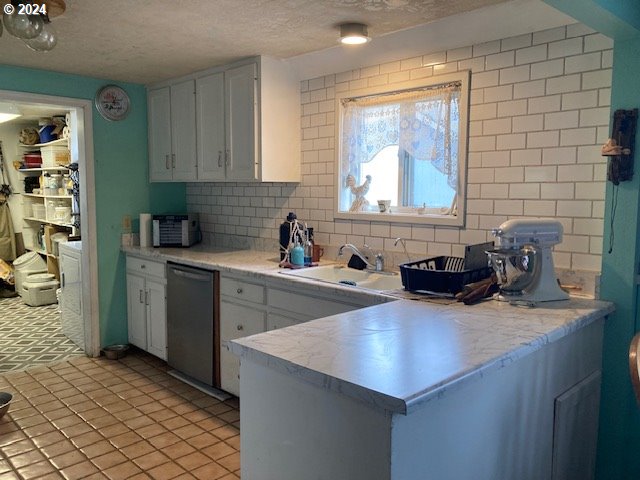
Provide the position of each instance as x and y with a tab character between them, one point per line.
524	264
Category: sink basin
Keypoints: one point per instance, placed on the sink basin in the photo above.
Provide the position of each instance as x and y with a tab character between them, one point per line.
349	276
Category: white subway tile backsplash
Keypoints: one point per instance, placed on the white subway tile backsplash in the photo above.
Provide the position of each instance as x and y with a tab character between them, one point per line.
574	101
528	123
566	83
565	48
452	55
563	191
559	120
551	35
586	262
535	88
583	63
540	174
539	111
531	54
597	79
529	156
551	68
578	136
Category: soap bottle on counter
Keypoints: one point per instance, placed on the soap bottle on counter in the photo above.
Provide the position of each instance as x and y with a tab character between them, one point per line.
297	254
308	247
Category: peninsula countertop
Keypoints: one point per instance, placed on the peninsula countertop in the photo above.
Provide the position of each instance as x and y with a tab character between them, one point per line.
396	355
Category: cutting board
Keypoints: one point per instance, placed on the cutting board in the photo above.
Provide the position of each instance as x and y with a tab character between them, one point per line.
475	256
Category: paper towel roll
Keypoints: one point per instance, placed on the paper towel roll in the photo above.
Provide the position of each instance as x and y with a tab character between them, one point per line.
146	239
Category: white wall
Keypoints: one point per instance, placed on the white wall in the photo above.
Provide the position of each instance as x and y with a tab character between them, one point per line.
539	113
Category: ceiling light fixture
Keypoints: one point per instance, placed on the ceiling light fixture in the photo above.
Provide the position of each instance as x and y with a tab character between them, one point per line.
8	111
353	33
30	22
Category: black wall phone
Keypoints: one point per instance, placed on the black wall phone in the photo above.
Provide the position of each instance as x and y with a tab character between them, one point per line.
622	142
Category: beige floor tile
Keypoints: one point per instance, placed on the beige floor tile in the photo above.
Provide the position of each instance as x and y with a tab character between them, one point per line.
124	470
211	471
36	470
193	461
79	470
104	420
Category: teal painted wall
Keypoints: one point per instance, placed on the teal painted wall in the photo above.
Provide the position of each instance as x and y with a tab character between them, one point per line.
619	434
121	185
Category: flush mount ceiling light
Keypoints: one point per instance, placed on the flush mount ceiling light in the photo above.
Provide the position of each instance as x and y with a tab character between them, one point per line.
8	111
353	33
30	22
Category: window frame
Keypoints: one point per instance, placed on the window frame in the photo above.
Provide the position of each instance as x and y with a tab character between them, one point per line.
457	220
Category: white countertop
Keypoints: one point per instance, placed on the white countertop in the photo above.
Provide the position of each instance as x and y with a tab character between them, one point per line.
397	355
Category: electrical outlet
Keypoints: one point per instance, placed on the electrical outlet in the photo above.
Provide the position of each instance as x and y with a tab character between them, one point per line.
126	224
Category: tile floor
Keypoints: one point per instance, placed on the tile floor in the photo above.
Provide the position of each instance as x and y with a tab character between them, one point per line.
106	419
31	336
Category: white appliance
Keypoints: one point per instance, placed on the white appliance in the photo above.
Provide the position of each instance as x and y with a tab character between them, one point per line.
524	262
71	317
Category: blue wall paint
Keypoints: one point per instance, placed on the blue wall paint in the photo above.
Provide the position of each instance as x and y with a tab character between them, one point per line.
121	185
619	434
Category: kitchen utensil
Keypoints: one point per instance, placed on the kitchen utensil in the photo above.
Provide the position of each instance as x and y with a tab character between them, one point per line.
523	261
5	401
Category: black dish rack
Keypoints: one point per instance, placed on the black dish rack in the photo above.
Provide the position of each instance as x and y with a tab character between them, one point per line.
441	275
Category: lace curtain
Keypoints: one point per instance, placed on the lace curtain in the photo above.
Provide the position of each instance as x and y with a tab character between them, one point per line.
423	123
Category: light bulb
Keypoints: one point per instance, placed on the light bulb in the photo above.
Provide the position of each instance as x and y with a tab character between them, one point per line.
45	41
23	26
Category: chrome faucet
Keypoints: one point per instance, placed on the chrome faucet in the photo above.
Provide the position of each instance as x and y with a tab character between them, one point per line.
379	265
404	246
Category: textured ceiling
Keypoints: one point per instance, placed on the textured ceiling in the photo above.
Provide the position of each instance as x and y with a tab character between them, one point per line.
145	41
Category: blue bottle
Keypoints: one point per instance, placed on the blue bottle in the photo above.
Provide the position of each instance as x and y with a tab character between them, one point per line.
297	255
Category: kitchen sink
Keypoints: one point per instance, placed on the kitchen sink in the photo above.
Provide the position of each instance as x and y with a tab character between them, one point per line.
348	276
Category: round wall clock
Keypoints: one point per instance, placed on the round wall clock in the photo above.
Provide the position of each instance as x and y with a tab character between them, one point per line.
112	102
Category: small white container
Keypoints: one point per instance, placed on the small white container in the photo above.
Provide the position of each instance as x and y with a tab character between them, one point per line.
62	214
39	211
55	155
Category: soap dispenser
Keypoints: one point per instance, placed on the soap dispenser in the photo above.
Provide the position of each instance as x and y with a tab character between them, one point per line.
297	254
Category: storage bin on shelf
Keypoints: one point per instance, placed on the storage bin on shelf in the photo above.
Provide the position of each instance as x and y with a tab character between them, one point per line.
441	275
55	155
39	211
52	204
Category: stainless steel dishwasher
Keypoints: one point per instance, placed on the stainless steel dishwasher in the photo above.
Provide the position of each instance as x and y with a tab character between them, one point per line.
192	306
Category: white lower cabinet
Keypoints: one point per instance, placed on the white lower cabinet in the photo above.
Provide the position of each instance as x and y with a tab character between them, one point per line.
248	308
242	313
146	305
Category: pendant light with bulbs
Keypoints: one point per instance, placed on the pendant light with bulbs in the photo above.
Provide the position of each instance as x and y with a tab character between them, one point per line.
35	28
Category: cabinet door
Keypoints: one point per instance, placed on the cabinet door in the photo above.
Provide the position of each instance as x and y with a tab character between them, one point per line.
71	318
183	130
241	126
137	311
210	115
575	430
159	111
236	321
276	321
156	319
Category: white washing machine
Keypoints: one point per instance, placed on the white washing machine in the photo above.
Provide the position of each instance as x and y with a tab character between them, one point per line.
71	317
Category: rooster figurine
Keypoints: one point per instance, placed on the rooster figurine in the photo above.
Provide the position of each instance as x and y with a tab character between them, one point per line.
359	191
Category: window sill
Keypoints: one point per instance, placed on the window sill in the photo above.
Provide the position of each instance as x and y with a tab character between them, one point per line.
424	219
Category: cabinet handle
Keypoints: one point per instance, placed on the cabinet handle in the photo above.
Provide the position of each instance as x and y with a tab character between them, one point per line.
227	156
143	266
166	161
173	160
240	327
141	299
146	297
62	279
239	290
219	158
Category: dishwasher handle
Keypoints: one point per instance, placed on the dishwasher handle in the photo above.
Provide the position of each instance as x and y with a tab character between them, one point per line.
199	277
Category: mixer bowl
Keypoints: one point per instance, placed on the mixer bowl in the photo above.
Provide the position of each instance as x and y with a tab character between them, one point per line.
516	269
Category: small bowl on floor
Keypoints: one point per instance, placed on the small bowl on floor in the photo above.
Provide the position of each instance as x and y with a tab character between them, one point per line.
5	401
115	352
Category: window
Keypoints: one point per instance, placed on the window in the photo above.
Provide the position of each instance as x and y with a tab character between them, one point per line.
408	147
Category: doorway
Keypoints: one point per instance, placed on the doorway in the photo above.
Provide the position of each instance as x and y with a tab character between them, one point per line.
80	147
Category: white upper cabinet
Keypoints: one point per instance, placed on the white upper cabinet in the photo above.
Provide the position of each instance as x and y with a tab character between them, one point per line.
172	133
246	125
